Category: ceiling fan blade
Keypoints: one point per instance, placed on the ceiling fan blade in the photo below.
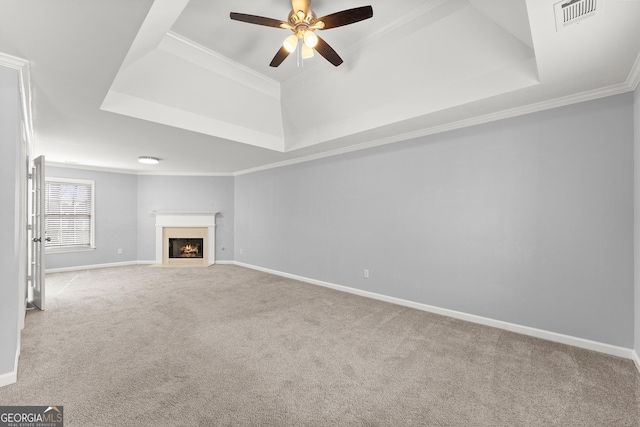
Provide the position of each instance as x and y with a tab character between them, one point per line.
258	20
280	56
346	17
327	51
302	5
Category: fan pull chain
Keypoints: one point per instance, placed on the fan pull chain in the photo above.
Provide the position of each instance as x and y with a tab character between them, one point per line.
300	61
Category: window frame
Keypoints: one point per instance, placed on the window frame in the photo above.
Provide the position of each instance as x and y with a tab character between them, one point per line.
73	248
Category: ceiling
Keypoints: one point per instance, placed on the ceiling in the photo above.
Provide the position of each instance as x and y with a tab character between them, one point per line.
112	80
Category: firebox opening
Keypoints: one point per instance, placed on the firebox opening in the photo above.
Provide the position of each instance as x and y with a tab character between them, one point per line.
186	248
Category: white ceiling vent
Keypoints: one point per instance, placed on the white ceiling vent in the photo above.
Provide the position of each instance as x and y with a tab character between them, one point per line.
570	12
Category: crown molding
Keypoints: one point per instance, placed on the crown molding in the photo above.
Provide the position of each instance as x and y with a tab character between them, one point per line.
24	75
88	167
231	69
487	118
633	80
209	174
13	62
129	171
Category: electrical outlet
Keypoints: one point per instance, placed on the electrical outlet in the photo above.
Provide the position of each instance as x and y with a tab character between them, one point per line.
366	273
119	251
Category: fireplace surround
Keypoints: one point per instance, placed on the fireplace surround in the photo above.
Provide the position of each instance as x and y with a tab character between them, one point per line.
196	229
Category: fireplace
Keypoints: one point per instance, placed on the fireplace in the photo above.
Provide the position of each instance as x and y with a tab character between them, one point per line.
186	247
185	239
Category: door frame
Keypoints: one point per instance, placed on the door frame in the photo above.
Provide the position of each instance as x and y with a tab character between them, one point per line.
37	287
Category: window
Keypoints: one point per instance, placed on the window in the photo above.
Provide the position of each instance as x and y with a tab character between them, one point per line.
68	214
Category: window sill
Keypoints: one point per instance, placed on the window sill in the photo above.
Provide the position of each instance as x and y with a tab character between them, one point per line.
68	249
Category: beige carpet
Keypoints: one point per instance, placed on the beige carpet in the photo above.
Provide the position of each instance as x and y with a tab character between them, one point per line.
145	346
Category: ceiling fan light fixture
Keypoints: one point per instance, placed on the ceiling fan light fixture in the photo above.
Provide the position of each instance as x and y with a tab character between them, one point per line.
290	43
310	39
303	22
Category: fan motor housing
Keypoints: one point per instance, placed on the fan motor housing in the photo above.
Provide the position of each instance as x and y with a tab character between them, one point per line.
307	20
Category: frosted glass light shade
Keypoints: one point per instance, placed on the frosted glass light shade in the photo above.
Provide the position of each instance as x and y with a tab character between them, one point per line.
310	39
290	43
307	52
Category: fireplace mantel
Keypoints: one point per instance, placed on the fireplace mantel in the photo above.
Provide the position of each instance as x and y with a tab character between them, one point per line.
168	219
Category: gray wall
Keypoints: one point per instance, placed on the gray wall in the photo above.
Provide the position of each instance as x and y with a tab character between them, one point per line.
637	217
526	220
10	188
185	193
115	219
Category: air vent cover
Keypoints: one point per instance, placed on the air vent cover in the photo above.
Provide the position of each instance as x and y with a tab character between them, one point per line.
570	12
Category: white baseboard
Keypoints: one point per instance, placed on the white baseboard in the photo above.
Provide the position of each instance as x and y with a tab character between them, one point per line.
94	266
626	353
11	377
8	378
114	264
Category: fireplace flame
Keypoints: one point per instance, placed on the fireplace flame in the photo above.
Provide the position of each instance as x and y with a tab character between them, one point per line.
189	251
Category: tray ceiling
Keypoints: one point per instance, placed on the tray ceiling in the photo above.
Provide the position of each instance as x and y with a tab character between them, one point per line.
179	80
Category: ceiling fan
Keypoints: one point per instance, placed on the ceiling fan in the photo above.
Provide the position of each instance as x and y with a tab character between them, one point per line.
303	22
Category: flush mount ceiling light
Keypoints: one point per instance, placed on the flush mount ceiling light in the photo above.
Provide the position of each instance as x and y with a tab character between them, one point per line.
148	160
303	22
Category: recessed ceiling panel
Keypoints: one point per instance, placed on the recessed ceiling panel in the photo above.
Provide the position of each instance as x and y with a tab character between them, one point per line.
461	57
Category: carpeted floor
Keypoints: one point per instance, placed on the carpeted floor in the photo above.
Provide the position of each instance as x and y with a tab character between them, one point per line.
149	346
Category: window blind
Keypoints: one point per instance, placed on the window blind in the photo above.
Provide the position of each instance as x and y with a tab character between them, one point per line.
69	214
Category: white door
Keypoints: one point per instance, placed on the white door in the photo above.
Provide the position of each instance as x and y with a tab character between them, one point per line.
38	237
